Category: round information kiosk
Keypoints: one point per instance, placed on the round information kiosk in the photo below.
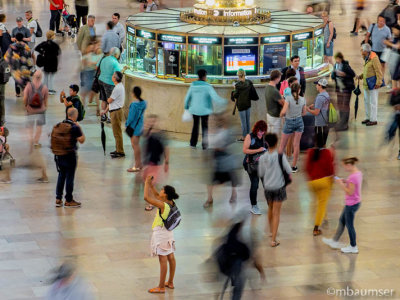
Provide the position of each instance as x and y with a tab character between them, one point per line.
166	48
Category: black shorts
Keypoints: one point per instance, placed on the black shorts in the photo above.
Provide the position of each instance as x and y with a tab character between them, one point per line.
379	55
276	195
105	90
222	177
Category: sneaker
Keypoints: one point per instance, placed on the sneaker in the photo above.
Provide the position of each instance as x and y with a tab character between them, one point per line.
331	243
59	203
350	249
72	204
42	180
295	169
255	210
52	92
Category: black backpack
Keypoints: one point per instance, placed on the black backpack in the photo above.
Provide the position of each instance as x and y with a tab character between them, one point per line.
39	32
173	219
334	32
77	103
389	13
5	72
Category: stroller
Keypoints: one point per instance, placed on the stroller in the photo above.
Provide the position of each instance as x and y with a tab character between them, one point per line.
6	159
70	25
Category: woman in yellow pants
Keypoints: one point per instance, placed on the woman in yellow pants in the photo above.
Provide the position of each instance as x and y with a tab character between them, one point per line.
320	170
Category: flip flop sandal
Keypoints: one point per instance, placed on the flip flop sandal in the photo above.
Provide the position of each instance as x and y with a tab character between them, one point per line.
275	244
157	290
170	286
149	208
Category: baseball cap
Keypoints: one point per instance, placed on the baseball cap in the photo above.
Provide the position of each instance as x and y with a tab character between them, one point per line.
74	87
322	82
19	19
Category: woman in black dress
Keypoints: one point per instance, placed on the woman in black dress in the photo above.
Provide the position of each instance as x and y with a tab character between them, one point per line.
48	58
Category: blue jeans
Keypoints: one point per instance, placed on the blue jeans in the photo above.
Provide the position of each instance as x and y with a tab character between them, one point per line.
347	219
245	120
66	166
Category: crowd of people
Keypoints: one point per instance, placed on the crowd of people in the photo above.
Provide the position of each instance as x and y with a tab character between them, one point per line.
271	147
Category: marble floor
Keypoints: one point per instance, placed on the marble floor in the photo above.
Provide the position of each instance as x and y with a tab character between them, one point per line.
108	238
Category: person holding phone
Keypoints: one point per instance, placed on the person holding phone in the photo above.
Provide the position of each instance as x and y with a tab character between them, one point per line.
352	187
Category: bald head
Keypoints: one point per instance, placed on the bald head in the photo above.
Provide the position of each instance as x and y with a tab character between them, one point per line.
72	114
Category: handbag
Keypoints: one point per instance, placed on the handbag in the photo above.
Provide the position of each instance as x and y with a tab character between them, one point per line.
96	84
286	176
371	82
187	116
129	130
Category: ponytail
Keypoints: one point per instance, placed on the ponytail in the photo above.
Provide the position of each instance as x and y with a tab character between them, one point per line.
137	91
295	87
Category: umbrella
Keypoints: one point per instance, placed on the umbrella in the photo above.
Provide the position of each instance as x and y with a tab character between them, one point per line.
103	137
356	92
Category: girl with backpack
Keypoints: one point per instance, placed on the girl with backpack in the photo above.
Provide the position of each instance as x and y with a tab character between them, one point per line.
162	240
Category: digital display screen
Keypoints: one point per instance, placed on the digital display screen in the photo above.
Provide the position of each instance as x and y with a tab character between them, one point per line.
245	58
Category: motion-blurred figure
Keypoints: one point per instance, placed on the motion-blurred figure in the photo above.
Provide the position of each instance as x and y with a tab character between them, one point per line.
156	153
395	119
394	61
223	160
231	257
359	7
4	148
67	285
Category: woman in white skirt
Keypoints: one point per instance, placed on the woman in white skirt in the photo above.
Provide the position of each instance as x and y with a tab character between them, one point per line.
162	240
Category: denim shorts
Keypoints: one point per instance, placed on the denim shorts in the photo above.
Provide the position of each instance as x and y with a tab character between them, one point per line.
293	125
328	51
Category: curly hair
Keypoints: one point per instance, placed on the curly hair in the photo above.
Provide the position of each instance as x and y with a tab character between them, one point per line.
259	126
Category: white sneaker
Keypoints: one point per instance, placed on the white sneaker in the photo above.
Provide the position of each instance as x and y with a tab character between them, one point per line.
255	210
333	244
350	249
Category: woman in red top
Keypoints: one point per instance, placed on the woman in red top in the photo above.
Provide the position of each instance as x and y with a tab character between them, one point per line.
320	170
56	7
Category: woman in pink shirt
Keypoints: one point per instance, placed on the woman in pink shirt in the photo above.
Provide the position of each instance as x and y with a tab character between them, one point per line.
352	187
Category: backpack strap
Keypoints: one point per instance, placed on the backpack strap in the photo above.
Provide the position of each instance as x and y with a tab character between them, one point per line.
159	210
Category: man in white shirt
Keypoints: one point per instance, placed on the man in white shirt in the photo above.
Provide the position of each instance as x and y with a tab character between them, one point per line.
115	105
118	28
32	26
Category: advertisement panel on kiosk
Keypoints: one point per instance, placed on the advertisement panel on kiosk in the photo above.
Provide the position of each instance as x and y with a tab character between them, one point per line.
241	53
275	52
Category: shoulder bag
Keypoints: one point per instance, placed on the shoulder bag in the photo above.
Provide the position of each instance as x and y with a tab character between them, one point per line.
286	176
129	130
96	84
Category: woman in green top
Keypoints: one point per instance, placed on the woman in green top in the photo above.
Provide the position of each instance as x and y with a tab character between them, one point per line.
162	240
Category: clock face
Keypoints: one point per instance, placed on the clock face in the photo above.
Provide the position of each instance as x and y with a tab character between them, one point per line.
171	58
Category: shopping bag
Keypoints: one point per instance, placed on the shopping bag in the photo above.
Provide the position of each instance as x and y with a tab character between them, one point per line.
187	116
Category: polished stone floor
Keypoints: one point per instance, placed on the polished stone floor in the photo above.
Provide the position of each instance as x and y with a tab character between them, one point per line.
109	236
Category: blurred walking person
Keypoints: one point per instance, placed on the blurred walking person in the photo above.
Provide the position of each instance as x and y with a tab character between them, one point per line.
222	160
87	34
254	146
394	61
343	75
372	70
293	110
156	153
200	101
244	89
328	38
134	126
352	187
320	169
20	59
359	7
273	168
50	52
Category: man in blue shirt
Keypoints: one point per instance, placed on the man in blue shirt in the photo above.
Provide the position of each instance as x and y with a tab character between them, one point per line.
378	33
110	39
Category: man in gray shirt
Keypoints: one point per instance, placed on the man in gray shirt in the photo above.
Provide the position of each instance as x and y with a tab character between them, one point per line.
21	29
110	39
320	109
118	28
